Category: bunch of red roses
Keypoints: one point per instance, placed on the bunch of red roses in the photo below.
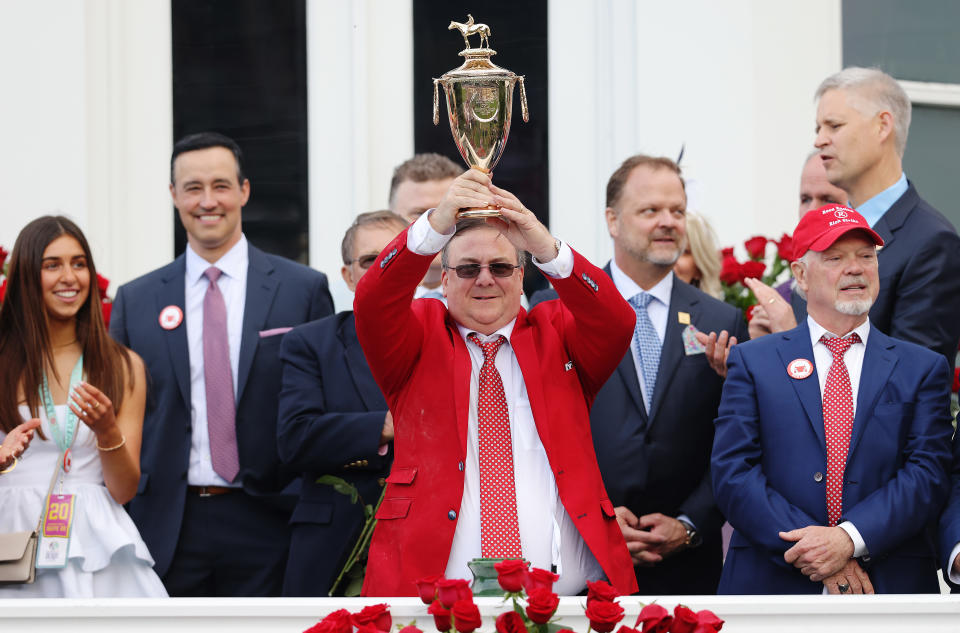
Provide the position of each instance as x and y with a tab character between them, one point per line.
451	605
102	284
733	272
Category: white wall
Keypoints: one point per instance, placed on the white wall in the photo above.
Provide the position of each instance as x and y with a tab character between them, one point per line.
733	81
85	123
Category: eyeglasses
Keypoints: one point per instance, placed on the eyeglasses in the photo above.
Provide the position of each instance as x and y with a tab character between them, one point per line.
470	271
366	261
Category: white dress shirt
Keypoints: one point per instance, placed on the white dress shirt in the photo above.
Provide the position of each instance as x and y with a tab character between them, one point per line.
853	359
233	286
548	536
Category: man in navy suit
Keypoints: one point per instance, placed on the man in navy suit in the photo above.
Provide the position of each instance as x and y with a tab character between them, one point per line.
333	420
863	117
208	326
833	440
653	437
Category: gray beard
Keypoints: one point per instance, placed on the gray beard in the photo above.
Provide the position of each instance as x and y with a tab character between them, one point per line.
854	308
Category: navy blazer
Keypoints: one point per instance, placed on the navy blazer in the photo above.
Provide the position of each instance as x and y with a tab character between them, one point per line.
280	294
950	519
330	419
769	461
919	297
660	463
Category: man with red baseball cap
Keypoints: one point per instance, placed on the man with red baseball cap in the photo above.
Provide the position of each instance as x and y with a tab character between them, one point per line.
832	441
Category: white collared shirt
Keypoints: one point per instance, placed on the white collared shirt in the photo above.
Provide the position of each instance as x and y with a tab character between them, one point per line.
853	359
658	310
548	536
233	286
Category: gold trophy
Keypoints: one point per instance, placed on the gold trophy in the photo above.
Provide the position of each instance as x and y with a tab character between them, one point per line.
479	103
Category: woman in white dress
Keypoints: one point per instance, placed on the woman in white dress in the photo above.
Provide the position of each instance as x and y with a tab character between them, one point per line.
59	366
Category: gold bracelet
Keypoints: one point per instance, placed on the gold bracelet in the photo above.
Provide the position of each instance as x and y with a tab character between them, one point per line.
123	440
7	470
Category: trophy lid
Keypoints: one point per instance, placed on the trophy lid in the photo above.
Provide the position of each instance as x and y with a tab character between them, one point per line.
476	61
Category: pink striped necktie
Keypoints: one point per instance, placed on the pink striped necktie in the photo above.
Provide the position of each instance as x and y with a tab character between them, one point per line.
218	381
499	527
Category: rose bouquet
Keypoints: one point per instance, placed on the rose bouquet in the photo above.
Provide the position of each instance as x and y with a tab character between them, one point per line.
733	272
534	603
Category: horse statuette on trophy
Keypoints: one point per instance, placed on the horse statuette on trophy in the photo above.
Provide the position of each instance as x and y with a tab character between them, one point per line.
479	105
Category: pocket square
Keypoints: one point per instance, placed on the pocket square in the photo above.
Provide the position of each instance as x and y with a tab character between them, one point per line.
275	331
690	343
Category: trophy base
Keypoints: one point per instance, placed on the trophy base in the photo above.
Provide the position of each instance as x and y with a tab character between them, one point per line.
475	214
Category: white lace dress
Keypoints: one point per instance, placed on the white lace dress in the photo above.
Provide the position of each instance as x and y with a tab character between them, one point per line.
107	557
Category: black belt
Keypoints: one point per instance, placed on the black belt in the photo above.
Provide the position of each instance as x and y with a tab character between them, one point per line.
211	491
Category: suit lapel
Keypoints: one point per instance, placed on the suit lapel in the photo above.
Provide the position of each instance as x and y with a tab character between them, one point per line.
671	352
261	288
878	363
796	345
173	293
523	346
356	364
461	382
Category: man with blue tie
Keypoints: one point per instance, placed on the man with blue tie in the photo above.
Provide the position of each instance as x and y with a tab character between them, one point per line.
652	422
208	327
832	442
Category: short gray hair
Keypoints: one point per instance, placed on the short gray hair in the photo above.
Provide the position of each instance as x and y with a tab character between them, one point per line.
468	225
876	91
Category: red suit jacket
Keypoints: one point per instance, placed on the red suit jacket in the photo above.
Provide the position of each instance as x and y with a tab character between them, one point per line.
566	350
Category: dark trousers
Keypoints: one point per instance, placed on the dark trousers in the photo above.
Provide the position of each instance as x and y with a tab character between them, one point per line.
231	545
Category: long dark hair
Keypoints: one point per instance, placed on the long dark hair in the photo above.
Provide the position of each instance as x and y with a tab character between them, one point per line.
24	337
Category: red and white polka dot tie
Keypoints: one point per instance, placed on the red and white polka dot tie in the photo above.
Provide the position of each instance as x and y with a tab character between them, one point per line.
837	421
499	528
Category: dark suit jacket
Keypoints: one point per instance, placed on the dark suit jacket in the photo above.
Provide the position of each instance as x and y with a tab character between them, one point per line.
950	519
662	464
919	296
280	294
769	460
330	419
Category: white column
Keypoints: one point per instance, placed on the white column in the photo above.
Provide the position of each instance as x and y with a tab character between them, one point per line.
359	114
129	128
733	82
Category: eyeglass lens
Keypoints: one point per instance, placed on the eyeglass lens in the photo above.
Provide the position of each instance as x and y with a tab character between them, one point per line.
497	269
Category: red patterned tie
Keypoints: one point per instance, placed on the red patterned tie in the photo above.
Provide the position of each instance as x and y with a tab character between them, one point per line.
837	421
499	528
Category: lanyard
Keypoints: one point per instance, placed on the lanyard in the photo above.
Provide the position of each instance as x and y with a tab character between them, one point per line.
64	435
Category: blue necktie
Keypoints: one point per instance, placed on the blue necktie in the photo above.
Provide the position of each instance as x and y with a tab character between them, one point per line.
646	345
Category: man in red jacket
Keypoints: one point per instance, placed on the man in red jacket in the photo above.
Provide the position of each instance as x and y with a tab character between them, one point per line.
493	452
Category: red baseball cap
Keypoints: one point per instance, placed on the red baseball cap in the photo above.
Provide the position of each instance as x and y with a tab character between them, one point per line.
820	228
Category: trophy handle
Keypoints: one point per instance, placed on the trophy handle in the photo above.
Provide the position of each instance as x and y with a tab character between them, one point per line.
436	103
523	101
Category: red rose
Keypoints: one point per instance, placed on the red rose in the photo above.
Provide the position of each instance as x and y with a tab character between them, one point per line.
339	621
756	247
441	617
684	620
102	284
449	590
627	629
540	578
750	310
511	574
541	604
730	270
708	622
726	252
376	614
603	616
785	248
3	290
655	619
427	588
956	372
3	257
602	591
369	627
466	616
106	307
410	629
752	269
510	622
